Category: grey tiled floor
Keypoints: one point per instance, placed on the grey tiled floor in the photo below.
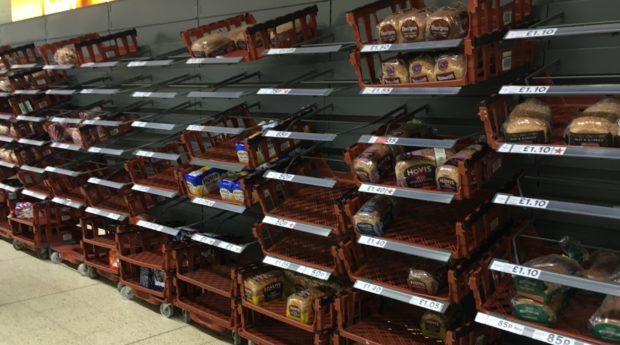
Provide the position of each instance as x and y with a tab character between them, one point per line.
43	303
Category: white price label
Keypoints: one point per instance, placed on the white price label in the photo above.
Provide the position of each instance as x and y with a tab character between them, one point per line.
195	128
531	33
230	247
502	324
509	268
278	134
204	239
539	150
383	140
265	91
552	338
279	51
527	202
139	124
377	90
524	90
277	262
136	64
368	287
205	202
87	91
279	222
376	47
195	61
141	188
280	176
426	303
95	149
141	94
383	190
371	241
146	153
309	271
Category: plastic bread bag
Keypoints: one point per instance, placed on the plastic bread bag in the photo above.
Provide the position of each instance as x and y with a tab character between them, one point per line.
418	168
394	71
532	108
450	67
602	265
237	35
607	107
23	210
591	131
435	325
213	45
447	176
412	25
264	287
605	322
427	276
66	56
447	22
300	305
376	215
5	85
545	291
422	69
534	311
388	29
527	129
374	164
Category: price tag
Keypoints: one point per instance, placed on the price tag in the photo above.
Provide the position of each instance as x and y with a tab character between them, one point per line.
531	33
426	303
369	48
502	324
205	202
146	153
87	91
136	64
280	51
95	149
383	140
196	128
371	241
141	94
523	90
265	91
527	202
383	190
280	176
277	262
230	247
309	271
539	150
368	287
377	90
279	222
204	239
509	268
193	61
140	188
551	338
138	124
278	134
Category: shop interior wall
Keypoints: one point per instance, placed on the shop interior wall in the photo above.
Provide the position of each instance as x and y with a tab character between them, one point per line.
159	23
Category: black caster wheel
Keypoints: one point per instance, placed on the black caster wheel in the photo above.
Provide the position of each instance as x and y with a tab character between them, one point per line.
127	293
55	258
43	253
166	310
17	245
82	269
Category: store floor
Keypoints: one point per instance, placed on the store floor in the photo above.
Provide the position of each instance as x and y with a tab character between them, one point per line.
44	303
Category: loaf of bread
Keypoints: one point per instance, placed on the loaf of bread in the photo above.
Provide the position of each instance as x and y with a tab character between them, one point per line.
532	108
388	29
605	322
607	107
450	67
591	131
602	265
435	325
66	56
427	276
237	35
418	168
534	311
282	35
394	71
527	129
5	85
422	69
264	287
447	176
213	45
412	24
300	305
374	164
539	290
412	129
447	22
376	215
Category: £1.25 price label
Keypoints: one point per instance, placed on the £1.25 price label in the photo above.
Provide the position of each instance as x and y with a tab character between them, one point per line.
383	190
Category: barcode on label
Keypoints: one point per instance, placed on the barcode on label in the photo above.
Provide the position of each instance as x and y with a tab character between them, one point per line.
367	188
506	61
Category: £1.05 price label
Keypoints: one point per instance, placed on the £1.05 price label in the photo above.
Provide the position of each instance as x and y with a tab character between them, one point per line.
518	270
426	303
383	190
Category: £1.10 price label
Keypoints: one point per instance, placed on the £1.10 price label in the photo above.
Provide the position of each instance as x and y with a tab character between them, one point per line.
518	270
524	90
507	199
513	34
383	190
377	90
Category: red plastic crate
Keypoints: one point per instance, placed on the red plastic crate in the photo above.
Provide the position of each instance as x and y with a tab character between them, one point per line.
495	110
158	173
47	51
18	55
261	32
5	209
107	47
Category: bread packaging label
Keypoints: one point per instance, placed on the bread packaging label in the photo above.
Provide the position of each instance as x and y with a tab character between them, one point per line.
388	29
447	22
202	181
591	131
449	67
607	331
376	215
422	69
300	305
530	310
374	164
426	277
264	287
539	290
412	26
394	71
448	178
